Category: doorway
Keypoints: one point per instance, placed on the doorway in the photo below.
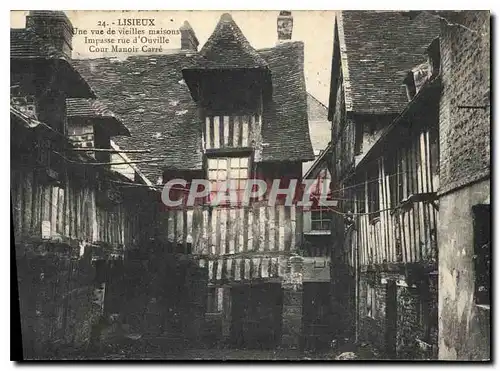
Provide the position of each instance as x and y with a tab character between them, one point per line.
316	315
256	316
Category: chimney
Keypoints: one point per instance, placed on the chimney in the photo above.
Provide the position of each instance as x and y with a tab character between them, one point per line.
285	26
189	41
54	27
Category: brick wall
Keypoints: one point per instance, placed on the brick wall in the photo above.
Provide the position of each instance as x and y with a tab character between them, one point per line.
465	132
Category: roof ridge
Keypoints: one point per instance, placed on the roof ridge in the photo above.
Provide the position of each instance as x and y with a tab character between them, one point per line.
226	29
280	45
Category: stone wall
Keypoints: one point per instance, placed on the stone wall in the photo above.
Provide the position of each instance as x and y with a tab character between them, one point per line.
415	336
464	119
464	327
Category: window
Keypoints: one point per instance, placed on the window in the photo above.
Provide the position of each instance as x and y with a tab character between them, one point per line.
482	261
371	302
320	219
231	172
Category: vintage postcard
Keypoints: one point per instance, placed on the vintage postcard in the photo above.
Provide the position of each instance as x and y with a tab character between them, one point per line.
239	185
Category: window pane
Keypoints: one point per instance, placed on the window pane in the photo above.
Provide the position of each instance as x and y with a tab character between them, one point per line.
212	163
222	164
213	186
235	174
243	174
212	174
221	174
243	184
244	162
235	162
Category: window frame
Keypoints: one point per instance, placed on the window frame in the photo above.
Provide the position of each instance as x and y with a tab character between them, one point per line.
322	210
227	175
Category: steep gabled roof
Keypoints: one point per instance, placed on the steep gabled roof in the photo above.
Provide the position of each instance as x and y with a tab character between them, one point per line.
227	47
285	131
377	49
94	109
151	96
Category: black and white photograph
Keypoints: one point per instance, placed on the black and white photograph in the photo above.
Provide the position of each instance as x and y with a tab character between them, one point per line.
258	185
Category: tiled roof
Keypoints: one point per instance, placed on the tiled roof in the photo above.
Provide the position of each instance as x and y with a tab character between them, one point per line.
150	95
285	130
92	108
379	48
227	47
26	48
24	43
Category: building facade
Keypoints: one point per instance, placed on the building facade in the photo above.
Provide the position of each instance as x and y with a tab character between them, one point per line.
384	265
464	230
227	112
69	219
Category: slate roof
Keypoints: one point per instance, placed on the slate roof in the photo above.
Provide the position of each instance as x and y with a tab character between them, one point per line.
285	130
94	109
227	47
379	47
150	95
24	43
26	48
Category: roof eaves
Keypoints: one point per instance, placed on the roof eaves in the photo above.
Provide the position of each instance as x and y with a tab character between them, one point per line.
318	161
426	88
344	64
132	165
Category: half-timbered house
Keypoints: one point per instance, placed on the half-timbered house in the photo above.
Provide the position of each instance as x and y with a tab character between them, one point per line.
385	172
59	222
